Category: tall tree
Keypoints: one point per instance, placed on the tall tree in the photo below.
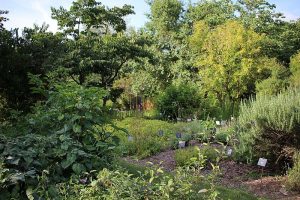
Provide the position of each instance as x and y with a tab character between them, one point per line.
230	67
100	46
34	52
164	16
2	19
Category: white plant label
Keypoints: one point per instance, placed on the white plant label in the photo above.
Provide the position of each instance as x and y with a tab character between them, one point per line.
189	120
262	162
229	152
218	123
130	138
223	123
181	144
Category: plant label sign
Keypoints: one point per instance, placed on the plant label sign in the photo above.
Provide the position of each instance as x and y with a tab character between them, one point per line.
160	132
189	120
262	162
130	138
223	123
178	135
181	144
229	152
218	123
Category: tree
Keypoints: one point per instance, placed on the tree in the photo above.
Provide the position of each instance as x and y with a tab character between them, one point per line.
89	16
277	80
164	16
2	19
34	52
100	47
230	67
258	14
295	70
215	12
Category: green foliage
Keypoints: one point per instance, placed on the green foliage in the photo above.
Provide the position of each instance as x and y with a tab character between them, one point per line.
197	156
277	82
67	135
179	101
214	12
223	137
230	67
165	15
146	140
184	157
269	127
293	174
86	13
152	184
35	52
295	70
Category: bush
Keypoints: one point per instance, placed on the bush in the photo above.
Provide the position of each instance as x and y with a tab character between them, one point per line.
293	175
151	184
223	137
67	135
269	127
179	101
183	157
206	155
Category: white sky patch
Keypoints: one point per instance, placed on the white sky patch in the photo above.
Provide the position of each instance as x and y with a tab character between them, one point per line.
290	16
43	8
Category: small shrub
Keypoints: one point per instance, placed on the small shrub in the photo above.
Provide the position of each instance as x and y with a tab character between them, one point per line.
183	156
293	176
179	101
187	157
222	137
212	154
268	126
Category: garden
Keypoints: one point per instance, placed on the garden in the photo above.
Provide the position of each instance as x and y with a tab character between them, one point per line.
203	102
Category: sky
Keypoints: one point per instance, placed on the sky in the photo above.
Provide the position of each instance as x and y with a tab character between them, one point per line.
24	13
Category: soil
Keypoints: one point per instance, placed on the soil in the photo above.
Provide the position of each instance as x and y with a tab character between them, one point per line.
233	175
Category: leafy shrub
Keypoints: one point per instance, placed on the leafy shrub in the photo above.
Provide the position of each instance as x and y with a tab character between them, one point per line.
146	139
179	101
295	70
293	175
68	134
222	137
269	126
212	154
183	156
152	184
188	156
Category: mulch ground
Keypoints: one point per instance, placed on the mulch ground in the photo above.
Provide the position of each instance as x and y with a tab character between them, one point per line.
233	175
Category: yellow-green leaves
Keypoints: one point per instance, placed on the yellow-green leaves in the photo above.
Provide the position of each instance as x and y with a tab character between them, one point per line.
228	58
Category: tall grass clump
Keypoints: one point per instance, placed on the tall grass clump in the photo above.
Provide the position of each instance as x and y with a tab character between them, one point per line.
269	126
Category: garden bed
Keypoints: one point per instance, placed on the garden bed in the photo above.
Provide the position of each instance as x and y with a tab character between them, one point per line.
233	175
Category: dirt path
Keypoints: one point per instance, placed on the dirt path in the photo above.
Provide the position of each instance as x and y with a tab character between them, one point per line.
233	175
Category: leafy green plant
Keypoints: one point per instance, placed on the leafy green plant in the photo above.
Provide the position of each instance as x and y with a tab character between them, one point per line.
293	174
69	134
222	137
183	156
179	101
